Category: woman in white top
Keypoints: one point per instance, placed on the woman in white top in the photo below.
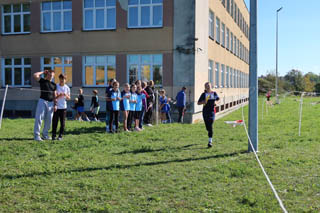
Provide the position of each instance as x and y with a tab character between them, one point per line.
60	107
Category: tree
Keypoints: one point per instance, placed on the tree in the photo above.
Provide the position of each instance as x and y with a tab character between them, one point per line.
295	78
317	88
309	85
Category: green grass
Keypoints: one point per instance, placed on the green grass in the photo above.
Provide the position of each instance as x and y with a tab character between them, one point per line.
166	168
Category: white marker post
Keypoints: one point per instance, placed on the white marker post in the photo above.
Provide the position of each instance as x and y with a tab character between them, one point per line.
301	103
157	107
3	103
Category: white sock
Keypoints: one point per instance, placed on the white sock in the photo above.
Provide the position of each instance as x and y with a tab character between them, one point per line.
210	140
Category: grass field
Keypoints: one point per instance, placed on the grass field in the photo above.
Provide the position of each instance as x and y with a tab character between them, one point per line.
166	168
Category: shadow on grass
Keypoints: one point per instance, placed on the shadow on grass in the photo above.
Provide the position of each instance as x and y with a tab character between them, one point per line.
16	139
90	169
86	130
149	149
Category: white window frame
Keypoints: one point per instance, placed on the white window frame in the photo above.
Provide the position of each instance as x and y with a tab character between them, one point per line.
210	72
51	11
94	9
52	65
222	75
211	24
231	77
94	65
13	66
231	41
227	76
139	5
140	64
218	32
12	14
217	75
228	38
223	34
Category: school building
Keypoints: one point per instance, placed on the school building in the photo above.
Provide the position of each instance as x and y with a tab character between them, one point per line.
175	43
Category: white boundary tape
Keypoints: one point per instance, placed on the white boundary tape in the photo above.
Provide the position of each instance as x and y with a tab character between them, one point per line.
261	166
3	104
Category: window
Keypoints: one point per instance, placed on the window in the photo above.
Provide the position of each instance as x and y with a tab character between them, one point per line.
211	24
56	16
228	6
61	65
217	74
231	77
16	18
145	68
228	39
145	13
97	70
99	14
231	42
238	48
16	72
235	45
218	30
235	12
231	8
223	34
227	76
222	75
235	78
210	72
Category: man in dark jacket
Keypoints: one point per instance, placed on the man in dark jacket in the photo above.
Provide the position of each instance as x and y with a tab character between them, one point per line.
148	115
181	103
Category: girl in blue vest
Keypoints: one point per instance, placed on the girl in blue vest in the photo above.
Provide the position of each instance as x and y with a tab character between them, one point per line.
115	97
125	105
208	100
139	107
133	102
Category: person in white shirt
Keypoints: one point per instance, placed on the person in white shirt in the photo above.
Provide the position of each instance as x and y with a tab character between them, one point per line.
60	108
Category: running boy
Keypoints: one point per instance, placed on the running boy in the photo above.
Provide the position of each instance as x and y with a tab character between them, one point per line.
80	107
208	100
95	107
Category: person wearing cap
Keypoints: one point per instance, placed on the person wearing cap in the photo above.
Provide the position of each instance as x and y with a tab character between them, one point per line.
45	106
63	94
181	103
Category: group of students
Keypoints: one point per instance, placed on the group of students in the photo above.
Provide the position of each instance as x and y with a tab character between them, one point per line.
135	102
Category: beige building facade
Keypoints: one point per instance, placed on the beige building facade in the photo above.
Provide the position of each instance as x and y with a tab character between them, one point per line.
91	41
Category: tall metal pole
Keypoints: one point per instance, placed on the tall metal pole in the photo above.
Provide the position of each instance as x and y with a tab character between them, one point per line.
277	95
253	79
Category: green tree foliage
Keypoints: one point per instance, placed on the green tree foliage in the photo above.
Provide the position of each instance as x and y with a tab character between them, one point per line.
296	79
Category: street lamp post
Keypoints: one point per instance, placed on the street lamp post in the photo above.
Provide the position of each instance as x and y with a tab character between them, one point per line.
277	96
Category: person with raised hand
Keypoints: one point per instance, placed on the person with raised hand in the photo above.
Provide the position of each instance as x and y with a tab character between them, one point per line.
45	106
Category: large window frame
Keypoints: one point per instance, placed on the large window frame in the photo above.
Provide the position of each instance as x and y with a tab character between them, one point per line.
139	7
137	68
227	76
218	34
98	8
223	34
231	41
13	67
24	14
97	64
223	67
63	7
217	73
211	24
210	72
228	38
60	64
